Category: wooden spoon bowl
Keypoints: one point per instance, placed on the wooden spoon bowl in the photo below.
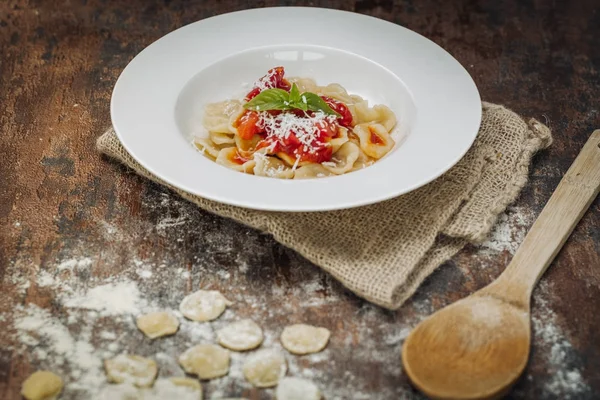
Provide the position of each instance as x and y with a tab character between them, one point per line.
474	348
478	347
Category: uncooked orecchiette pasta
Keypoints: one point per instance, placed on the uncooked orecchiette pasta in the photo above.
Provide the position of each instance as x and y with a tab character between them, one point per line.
294	129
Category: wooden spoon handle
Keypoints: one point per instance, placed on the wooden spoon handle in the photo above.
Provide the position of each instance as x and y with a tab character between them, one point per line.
573	196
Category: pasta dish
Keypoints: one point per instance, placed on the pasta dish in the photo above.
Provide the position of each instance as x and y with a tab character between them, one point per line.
294	129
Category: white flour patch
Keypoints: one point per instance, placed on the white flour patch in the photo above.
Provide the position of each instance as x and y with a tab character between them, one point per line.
73	343
509	231
144	273
243	267
108	299
221	273
75	264
45	279
70	354
169	222
564	380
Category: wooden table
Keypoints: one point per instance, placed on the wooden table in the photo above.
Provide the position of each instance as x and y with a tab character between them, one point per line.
71	219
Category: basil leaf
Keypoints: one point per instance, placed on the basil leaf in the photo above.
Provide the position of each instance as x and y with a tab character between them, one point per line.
295	94
296	99
301	103
301	106
270	99
316	103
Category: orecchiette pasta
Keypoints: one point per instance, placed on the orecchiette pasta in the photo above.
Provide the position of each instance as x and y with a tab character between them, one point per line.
207	147
305	84
312	171
229	158
220	138
343	160
374	139
337	92
294	129
219	117
272	167
339	140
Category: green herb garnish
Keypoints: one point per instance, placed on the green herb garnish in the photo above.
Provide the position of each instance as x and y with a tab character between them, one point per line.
279	99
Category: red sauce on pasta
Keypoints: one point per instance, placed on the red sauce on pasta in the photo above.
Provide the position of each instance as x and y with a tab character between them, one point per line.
303	135
374	137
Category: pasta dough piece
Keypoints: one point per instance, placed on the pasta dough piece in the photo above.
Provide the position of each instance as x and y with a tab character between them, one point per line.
247	145
241	335
175	389
339	140
220	138
207	147
129	368
218	116
208	361
290	388
375	140
304	84
379	114
122	391
386	117
304	339
186	382
227	158
291	161
203	305
157	324
362	161
265	368
42	385
343	160
271	167
312	171
364	113
356	98
337	92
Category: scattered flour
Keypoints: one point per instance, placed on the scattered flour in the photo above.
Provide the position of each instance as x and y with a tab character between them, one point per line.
564	380
93	321
144	273
64	350
45	279
75	264
169	222
509	232
108	299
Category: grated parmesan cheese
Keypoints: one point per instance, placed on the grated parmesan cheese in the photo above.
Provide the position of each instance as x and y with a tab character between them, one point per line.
305	128
296	163
265	83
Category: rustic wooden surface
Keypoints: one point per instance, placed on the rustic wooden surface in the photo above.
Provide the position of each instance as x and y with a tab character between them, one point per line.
60	200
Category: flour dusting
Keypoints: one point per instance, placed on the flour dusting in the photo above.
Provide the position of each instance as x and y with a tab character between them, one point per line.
75	264
70	354
564	380
509	231
108	299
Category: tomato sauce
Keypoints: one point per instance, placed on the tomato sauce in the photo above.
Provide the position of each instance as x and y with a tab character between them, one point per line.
273	79
345	118
374	137
239	158
320	150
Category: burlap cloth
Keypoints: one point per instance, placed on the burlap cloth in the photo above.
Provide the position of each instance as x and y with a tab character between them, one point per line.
382	252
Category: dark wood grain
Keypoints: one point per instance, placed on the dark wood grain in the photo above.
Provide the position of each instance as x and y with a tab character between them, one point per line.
60	200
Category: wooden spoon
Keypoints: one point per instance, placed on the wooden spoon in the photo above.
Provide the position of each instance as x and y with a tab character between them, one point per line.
477	347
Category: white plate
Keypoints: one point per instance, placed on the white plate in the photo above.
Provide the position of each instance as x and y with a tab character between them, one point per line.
157	101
